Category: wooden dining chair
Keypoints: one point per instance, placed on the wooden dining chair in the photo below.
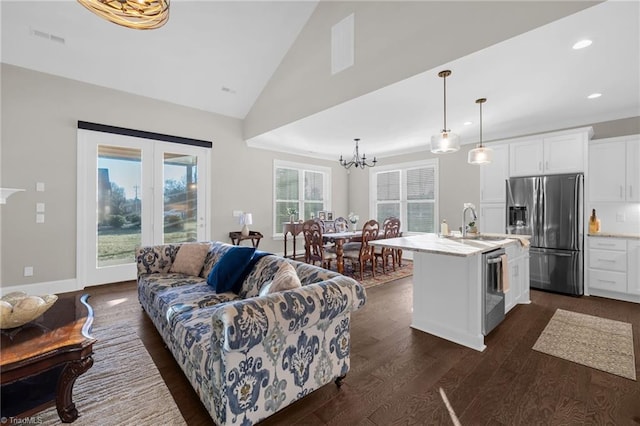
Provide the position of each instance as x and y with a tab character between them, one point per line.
314	248
390	229
341	224
364	253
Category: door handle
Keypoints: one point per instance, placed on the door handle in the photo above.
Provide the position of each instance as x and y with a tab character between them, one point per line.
621	192
546	165
563	255
540	166
630	191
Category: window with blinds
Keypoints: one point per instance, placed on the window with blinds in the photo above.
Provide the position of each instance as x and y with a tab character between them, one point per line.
302	187
409	192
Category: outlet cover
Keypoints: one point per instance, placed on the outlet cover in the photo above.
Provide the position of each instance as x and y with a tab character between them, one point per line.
28	271
237	213
620	217
40	218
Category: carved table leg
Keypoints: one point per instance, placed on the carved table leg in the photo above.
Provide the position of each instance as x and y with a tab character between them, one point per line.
340	254
64	393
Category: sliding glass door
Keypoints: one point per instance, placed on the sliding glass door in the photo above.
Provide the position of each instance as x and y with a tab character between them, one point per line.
131	192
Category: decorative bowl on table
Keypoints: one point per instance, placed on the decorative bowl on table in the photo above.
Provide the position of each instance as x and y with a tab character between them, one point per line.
18	308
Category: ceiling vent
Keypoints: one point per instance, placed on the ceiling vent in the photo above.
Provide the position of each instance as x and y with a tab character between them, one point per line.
47	36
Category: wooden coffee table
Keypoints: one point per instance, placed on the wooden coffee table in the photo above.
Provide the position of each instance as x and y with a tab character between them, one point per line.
40	361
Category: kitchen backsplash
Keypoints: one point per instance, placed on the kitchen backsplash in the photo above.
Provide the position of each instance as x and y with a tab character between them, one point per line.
623	218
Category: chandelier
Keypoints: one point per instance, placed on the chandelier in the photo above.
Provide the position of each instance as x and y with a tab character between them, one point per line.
136	14
480	154
445	141
356	160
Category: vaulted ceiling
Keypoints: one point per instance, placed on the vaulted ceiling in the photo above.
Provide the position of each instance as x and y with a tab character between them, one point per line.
219	56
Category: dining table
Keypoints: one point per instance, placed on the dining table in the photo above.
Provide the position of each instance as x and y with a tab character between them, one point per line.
339	238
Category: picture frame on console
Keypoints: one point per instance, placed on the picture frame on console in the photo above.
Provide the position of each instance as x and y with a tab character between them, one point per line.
322	215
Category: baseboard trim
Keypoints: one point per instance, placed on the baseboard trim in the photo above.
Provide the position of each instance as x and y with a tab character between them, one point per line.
61	286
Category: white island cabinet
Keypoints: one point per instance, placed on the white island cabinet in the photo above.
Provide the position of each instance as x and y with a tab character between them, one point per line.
448	285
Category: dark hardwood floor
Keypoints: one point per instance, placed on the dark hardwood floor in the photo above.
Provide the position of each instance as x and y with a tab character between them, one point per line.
397	373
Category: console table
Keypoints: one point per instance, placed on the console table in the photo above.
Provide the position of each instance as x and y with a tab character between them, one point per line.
254	236
41	360
294	229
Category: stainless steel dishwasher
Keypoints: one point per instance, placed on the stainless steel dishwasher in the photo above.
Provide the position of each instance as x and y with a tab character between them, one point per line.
492	287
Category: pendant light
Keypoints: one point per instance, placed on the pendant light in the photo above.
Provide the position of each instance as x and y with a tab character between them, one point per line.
445	141
480	154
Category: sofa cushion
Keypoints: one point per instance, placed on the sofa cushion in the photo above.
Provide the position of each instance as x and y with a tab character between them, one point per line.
265	289
285	279
228	272
190	258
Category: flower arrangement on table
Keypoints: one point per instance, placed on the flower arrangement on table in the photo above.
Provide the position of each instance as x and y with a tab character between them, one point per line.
293	213
353	218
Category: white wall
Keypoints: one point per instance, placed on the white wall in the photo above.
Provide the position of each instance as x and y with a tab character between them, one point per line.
39	116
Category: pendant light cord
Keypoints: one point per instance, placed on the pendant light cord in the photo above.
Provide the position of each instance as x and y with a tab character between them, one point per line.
444	129
480	124
480	102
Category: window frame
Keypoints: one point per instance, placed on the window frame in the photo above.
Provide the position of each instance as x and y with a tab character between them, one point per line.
301	168
403	168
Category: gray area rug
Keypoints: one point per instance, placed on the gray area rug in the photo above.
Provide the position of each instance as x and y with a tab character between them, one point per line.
123	387
596	342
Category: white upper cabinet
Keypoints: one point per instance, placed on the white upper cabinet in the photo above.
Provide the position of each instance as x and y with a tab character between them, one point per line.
614	169
550	154
525	158
633	169
565	154
607	170
494	175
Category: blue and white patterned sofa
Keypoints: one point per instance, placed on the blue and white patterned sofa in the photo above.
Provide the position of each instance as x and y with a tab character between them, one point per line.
248	356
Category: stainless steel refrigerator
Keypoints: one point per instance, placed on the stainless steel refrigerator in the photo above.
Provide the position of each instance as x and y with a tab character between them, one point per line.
549	208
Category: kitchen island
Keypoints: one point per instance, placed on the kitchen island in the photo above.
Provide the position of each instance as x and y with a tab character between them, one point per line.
448	289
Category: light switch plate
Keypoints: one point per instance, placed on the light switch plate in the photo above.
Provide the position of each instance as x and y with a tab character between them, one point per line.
39	207
40	218
620	217
28	271
40	186
237	213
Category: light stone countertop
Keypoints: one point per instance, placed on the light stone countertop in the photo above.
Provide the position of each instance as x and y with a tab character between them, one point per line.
615	235
433	243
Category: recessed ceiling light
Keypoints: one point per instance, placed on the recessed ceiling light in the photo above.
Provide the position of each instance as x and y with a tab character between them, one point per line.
594	95
582	44
467	123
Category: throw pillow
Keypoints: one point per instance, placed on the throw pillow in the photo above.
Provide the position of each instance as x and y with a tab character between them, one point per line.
285	279
190	258
227	273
